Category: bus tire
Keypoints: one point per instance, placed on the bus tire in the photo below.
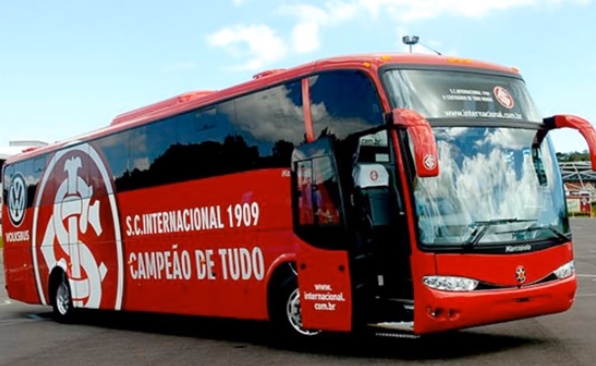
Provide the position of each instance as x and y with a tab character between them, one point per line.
286	312
61	300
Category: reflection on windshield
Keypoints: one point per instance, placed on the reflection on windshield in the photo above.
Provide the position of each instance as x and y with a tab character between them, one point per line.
490	174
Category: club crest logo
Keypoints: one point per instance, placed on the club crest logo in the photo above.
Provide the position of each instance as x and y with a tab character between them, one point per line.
504	97
520	274
76	226
17	199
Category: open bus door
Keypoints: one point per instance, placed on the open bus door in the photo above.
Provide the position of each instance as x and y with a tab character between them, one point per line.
425	158
322	256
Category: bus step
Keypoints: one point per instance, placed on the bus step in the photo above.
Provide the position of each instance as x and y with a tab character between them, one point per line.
406	303
396	335
395	326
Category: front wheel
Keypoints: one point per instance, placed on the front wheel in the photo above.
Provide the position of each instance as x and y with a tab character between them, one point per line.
288	315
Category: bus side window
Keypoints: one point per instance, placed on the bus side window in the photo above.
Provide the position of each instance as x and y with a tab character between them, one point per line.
7	179
326	194
319	200
305	193
115	149
344	102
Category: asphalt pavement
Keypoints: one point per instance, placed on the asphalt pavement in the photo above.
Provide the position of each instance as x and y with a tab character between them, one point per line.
29	337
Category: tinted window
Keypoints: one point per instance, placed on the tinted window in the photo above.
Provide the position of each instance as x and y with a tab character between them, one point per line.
6	180
457	94
31	171
37	168
255	131
115	149
317	198
203	145
344	102
270	123
150	149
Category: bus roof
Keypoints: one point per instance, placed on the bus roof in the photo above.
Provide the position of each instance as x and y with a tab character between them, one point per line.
192	100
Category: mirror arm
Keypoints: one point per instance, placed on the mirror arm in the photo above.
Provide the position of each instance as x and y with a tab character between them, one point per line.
425	147
577	123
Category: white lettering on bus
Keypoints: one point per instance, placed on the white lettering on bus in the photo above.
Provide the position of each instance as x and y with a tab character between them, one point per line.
166	222
169	265
518	248
324	298
205	264
17	236
241	263
244	214
193	219
236	264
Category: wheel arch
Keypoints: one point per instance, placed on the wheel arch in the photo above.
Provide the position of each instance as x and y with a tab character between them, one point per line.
281	271
58	270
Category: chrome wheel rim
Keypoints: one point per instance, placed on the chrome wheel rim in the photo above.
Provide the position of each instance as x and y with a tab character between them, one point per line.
294	314
62	299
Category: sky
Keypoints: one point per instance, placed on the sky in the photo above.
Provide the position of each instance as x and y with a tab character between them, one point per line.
68	67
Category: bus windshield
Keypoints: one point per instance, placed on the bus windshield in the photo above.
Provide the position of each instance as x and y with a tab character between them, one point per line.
458	94
493	188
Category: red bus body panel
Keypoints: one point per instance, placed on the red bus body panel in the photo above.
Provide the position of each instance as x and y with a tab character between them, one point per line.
18	266
224	255
206	270
325	289
440	310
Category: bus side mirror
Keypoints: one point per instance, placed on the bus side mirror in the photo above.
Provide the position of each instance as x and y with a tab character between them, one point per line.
577	123
425	147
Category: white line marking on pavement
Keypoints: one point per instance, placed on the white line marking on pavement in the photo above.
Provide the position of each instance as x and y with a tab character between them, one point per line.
5	302
586	275
586	295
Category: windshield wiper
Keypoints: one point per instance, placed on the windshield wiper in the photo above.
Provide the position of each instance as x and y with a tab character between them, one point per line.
481	227
552	228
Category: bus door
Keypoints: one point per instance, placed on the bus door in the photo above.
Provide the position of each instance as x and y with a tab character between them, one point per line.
322	255
381	255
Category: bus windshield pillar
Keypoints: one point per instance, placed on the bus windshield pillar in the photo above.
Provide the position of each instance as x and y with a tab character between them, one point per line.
425	147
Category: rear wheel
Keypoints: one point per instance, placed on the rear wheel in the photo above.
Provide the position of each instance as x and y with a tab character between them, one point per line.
62	300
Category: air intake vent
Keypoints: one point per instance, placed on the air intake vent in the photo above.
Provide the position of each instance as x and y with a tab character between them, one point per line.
267	73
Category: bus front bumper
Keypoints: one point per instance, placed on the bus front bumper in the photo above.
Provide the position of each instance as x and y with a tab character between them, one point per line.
442	311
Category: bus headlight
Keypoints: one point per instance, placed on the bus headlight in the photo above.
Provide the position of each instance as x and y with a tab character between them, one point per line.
565	270
446	283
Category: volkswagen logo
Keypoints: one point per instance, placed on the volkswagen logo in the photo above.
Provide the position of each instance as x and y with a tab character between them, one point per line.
520	274
17	199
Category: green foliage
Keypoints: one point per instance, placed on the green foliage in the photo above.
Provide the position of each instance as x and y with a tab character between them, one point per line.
573	156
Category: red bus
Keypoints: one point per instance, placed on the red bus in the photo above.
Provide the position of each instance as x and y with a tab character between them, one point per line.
399	193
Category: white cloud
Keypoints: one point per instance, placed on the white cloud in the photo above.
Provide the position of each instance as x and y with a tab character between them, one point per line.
305	37
413	10
264	45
